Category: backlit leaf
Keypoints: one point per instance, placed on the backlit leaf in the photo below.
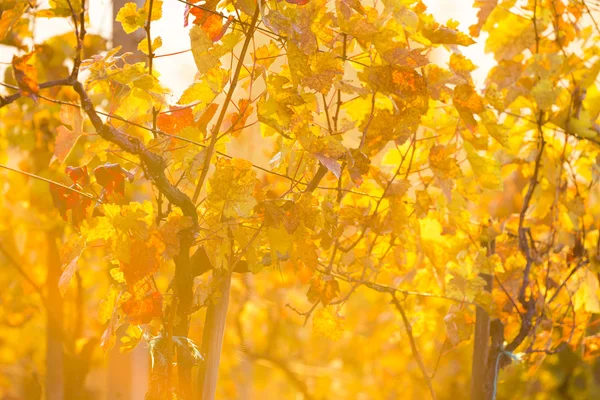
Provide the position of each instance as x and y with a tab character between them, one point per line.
132	18
231	188
25	75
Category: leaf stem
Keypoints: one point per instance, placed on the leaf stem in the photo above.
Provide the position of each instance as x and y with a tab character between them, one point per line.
232	86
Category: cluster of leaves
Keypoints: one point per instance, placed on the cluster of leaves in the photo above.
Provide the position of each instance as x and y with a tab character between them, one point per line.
390	177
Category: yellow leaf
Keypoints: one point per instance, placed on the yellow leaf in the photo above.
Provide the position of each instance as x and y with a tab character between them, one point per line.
117	275
326	324
201	43
98	228
107	305
143	45
512	36
587	293
461	64
66	138
280	241
543	93
205	91
231	188
61	8
10	17
129	341
135	105
156	9
440	34
443	162
131	18
487	170
582	126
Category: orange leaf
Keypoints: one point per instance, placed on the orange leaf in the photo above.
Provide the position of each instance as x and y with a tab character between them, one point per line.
145	309
144	261
26	76
238	119
207	115
211	23
323	290
175	120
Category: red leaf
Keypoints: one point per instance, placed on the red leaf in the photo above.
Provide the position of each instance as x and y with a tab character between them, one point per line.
112	178
65	200
211	23
144	261
175	120
298	2
145	309
78	174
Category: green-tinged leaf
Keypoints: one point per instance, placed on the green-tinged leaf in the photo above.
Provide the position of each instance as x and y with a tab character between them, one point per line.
132	18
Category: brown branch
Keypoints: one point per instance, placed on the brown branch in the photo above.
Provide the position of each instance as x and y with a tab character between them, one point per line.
44	85
150	58
371	115
314	183
17	264
564	283
80	32
149	38
339	92
305	314
172	54
512	301
481	338
301	386
55	355
392	290
216	314
389	184
529	303
212	338
190	141
154	165
413	346
595	127
326	108
232	86
494	357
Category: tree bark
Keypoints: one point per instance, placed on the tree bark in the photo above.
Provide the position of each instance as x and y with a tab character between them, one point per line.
184	290
481	342
212	339
54	345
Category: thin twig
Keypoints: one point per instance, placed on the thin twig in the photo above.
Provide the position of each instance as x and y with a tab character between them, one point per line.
89	196
232	87
413	346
